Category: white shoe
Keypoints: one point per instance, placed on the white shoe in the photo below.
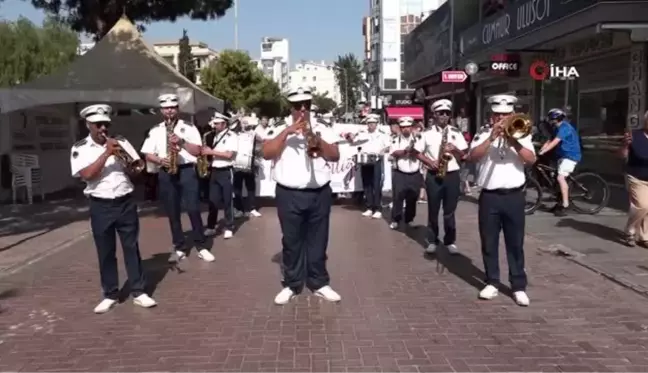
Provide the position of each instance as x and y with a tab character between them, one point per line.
377	215
284	296
238	214
367	213
521	298
105	305
391	204
452	249
393	225
209	232
328	293
255	213
144	301
177	256
431	248
488	293
206	255
228	234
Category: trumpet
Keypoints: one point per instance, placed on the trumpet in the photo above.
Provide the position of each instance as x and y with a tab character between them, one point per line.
515	126
128	156
312	138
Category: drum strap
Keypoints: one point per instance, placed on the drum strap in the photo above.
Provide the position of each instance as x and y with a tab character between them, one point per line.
220	138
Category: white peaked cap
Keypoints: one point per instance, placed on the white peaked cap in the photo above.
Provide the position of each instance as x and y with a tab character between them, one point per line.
502	104
406	121
168	100
372	118
299	94
96	113
442	105
218	118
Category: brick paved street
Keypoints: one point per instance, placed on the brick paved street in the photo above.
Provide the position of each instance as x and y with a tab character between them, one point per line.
400	311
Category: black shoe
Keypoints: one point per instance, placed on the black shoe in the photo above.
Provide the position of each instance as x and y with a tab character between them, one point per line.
560	211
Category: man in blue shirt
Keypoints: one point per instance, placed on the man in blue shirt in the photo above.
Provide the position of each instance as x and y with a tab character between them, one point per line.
568	153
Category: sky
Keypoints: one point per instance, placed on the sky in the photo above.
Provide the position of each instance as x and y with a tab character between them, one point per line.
316	29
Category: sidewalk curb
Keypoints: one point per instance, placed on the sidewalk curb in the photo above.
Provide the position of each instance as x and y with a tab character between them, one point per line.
573	256
40	256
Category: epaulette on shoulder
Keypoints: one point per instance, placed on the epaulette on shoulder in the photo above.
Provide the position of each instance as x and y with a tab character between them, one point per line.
280	123
80	143
119	137
322	122
454	129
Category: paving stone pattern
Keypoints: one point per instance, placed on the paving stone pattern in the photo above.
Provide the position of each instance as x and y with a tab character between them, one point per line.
400	311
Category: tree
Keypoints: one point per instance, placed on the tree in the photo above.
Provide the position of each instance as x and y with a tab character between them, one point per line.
186	64
348	74
324	103
98	17
30	51
233	77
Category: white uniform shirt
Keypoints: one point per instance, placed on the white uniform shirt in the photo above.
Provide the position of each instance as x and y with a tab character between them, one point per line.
431	142
228	143
112	182
404	164
371	142
260	131
497	172
294	168
156	142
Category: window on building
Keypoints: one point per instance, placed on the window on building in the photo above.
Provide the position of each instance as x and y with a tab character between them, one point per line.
390	84
169	59
266	47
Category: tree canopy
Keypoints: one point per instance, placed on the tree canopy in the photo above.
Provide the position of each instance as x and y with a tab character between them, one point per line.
186	65
324	103
98	17
348	74
233	77
30	51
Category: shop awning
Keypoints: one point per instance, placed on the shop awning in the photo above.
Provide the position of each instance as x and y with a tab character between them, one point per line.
395	112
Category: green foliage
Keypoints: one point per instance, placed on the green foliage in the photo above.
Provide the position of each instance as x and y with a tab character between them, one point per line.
186	64
30	51
348	74
324	103
234	78
97	17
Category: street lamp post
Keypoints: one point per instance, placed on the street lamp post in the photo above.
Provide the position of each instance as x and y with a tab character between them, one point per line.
236	42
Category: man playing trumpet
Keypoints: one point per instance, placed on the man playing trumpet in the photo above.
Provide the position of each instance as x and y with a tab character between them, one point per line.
501	161
112	207
300	149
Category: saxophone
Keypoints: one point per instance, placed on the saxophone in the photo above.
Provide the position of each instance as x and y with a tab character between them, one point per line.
172	150
202	164
443	157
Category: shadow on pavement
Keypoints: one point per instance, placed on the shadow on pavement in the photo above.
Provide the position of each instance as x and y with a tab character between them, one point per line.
601	231
156	268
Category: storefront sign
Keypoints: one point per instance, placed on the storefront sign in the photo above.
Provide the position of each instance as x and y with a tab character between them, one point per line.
516	20
427	47
395	98
637	86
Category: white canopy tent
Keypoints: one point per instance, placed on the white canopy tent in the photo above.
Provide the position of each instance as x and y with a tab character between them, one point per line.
121	68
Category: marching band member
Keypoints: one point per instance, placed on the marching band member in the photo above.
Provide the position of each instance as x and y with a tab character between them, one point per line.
372	141
112	207
222	150
181	182
247	178
261	130
406	176
442	188
501	176
303	196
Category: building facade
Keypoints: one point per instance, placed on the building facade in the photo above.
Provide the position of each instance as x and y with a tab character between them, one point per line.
604	42
389	23
201	53
275	60
319	76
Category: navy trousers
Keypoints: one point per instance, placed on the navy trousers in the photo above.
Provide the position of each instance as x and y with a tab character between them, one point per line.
304	216
442	193
109	218
220	196
372	185
406	188
178	188
247	179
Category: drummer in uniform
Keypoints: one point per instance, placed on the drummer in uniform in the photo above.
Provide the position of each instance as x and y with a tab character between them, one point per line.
304	197
223	151
501	175
442	191
406	176
113	208
247	178
375	143
183	185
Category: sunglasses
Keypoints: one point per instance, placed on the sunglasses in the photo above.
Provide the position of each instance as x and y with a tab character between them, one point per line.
102	124
443	112
301	104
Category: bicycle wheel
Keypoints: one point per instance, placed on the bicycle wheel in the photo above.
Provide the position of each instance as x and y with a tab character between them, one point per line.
532	195
589	193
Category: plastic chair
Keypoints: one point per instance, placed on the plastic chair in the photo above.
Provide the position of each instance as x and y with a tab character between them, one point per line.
26	172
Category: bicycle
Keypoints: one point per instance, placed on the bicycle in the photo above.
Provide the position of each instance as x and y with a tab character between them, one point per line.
541	178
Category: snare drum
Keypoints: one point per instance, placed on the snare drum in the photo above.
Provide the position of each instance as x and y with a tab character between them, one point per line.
245	155
365	158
